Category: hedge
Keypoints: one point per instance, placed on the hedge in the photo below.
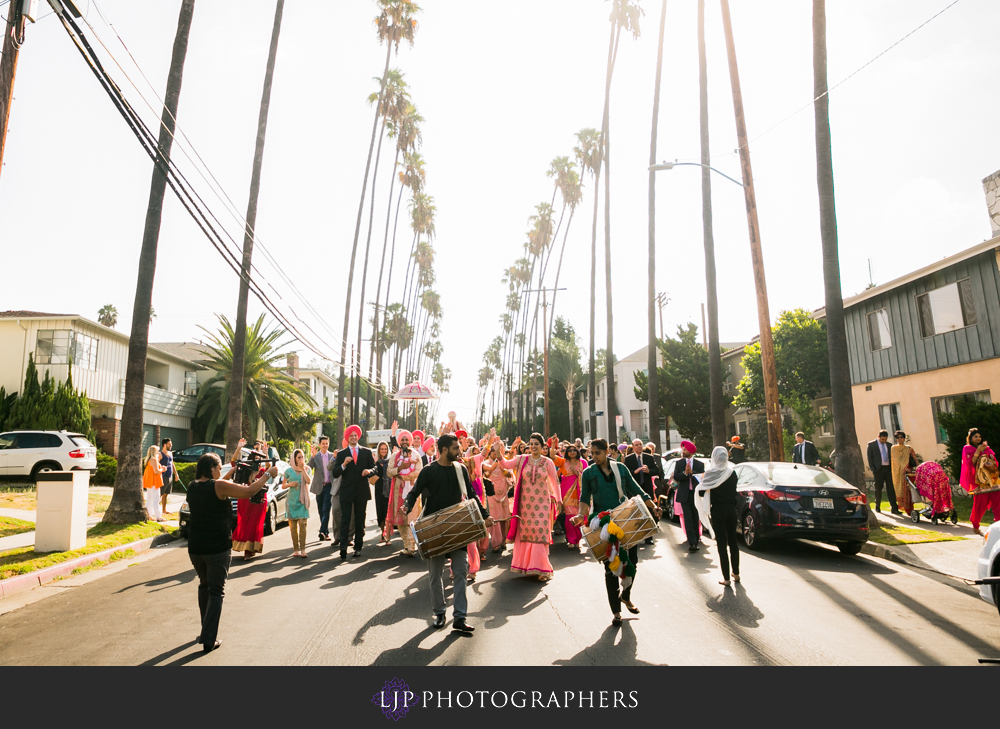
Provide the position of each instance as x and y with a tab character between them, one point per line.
982	415
107	469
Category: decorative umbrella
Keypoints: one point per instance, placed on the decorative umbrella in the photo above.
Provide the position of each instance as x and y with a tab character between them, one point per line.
416	391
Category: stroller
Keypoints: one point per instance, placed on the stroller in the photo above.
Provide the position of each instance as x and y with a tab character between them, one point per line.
926	499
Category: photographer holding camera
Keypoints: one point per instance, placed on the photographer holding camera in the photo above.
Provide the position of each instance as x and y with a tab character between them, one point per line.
250	513
210	537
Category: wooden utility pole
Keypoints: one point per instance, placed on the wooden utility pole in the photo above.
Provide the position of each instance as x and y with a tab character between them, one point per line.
773	409
545	311
13	37
237	386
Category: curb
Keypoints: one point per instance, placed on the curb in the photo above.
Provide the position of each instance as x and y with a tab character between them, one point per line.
883	552
14	585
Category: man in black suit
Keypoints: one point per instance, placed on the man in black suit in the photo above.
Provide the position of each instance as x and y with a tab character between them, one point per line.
354	465
643	468
685	472
804	451
881	467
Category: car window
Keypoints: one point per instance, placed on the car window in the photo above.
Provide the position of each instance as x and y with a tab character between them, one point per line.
220	452
7	441
194	451
789	474
31	440
746	476
51	440
80	441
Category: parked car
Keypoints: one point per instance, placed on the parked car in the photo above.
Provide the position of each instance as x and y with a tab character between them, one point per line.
31	452
989	564
277	501
192	453
793	500
665	488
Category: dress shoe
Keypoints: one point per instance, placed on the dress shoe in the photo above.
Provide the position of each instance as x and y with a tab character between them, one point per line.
693	548
439	621
462	626
897	512
357	552
209	649
649	540
343	556
198	640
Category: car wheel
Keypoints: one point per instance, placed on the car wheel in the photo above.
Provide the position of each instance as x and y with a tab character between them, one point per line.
670	509
183	531
751	535
271	522
850	547
44	467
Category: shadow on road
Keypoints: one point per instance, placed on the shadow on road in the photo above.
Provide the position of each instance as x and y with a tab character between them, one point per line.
735	604
411	654
157	660
605	653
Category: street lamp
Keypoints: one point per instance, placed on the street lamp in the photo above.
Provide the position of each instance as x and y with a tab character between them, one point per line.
675	163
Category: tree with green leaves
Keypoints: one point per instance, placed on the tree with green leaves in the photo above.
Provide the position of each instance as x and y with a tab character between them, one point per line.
270	394
108	315
567	373
802	364
968	414
683	386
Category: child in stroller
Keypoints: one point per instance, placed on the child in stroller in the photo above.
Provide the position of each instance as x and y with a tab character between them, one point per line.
931	486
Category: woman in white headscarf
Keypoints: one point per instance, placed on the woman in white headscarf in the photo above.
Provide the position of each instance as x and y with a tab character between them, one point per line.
719	486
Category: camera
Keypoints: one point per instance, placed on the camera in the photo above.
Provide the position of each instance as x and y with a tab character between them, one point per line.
248	468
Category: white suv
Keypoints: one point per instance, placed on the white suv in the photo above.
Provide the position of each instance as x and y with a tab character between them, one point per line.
30	452
989	564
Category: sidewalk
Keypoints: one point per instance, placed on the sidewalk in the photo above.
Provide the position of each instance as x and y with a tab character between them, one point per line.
955	559
26	539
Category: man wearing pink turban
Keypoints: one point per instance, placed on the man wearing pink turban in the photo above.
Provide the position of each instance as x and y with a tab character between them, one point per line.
686	478
354	464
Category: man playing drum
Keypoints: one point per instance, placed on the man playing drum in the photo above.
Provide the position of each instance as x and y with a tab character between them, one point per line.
439	485
607	492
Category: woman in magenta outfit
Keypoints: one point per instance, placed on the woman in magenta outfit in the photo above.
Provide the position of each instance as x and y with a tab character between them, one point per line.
536	503
474	462
248	537
499	502
979	471
570	474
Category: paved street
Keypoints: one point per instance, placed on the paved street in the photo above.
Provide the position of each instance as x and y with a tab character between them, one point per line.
799	604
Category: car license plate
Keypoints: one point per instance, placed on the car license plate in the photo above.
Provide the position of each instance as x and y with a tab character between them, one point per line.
822	503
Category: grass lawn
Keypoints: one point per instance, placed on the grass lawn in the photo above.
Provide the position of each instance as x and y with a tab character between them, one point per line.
10	527
893	536
27	500
99	537
963	505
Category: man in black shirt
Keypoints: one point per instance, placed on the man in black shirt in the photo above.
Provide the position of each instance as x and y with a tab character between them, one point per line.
438	482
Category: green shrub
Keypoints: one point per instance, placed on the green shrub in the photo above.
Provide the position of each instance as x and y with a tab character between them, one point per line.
186	472
982	415
107	469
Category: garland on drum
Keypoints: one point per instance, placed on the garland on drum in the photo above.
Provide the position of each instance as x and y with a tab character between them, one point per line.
618	561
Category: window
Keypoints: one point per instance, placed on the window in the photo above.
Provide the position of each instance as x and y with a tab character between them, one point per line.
890	418
63	346
190	383
947	405
878	330
80	442
741	428
946	309
827	427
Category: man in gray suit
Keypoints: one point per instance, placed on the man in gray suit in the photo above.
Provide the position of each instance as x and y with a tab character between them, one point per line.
326	487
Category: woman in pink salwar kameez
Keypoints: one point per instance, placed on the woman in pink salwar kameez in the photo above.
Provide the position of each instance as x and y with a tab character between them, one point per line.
536	502
499	503
570	474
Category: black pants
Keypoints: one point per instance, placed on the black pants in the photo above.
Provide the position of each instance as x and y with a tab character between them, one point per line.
323	505
381	505
212	570
356	510
883	477
612	582
690	520
724	526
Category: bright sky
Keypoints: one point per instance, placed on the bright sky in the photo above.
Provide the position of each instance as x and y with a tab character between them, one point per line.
503	89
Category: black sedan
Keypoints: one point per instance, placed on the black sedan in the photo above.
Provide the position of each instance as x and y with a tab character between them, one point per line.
277	503
191	454
792	500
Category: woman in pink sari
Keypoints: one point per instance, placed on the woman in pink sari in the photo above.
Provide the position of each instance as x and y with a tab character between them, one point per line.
979	477
474	462
570	473
499	503
536	502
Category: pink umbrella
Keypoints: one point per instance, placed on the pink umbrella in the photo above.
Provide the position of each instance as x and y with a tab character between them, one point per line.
416	391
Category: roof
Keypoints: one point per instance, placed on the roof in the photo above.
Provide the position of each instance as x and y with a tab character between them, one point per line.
190	351
33	315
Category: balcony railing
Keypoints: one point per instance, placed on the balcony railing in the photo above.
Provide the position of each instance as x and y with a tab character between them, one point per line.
164	401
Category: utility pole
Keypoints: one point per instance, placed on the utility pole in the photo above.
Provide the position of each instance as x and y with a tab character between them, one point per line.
774	439
661	301
237	385
13	39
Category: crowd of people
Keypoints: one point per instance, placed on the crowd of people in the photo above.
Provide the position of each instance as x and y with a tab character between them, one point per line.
528	493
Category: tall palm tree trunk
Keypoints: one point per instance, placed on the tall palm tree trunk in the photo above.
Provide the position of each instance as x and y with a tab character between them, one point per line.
717	403
372	377
592	374
342	377
127	505
609	351
234	421
653	393
849	464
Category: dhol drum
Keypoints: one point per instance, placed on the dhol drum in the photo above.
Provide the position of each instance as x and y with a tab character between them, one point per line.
634	519
445	531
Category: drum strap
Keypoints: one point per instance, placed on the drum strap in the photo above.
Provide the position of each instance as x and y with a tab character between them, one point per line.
618	480
459	471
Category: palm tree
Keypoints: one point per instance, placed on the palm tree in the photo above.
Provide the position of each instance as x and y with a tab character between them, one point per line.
391	101
127	505
849	463
269	394
395	23
588	152
624	14
564	362
239	346
108	316
571	191
717	403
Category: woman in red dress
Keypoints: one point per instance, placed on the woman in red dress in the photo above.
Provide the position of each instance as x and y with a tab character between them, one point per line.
248	536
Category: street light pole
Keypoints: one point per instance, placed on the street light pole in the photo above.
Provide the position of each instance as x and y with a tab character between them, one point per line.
776	445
